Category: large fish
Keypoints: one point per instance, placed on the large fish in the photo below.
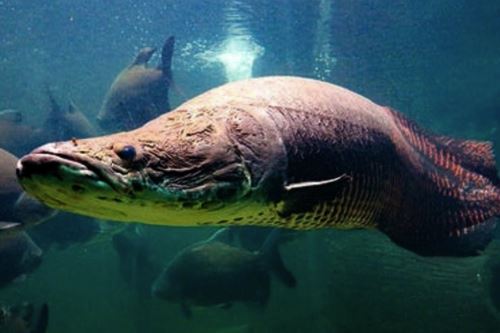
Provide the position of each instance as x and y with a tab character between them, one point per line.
284	152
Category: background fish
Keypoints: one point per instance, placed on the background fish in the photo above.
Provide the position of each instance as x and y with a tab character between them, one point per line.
61	124
134	260
139	93
214	273
19	255
17	136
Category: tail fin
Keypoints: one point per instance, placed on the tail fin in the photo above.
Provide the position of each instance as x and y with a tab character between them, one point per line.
143	56
166	57
452	194
476	156
449	153
271	253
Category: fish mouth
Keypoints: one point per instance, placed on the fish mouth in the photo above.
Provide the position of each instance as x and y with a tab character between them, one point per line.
48	163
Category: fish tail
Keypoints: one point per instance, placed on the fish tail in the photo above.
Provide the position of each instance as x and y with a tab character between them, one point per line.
450	154
454	193
273	257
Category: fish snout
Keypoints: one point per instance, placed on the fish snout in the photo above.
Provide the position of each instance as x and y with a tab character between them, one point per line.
42	159
32	263
108	124
32	258
158	292
162	288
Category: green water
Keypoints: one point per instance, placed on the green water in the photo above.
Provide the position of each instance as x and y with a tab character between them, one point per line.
438	62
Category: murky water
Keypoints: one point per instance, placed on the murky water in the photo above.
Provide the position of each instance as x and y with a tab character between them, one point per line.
437	62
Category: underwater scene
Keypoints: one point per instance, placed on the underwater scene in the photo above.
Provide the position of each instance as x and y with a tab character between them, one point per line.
249	166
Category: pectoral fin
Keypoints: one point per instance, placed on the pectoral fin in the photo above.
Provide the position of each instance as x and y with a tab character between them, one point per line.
9	225
318	184
303	196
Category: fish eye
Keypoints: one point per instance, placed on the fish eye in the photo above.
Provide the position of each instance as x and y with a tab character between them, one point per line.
126	152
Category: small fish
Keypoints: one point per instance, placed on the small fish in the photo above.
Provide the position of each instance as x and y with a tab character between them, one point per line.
19	255
63	124
24	319
213	273
139	93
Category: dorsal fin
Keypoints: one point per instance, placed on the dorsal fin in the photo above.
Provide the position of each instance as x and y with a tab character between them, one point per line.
143	56
474	156
166	57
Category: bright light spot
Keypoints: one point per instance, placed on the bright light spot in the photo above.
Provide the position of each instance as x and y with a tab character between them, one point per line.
237	54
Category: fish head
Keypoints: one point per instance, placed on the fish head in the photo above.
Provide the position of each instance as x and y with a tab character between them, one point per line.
32	257
184	168
166	287
135	98
114	114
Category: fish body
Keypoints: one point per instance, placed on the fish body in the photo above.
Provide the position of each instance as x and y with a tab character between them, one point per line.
214	273
139	93
134	260
283	152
